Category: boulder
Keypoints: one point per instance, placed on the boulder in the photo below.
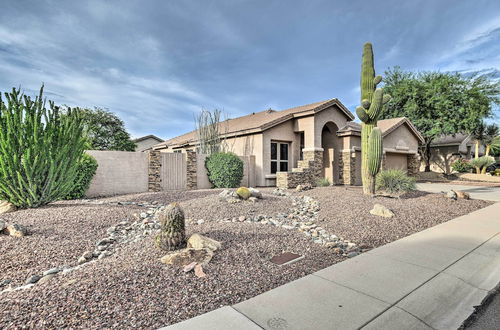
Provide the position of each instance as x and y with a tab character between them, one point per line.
255	193
462	194
197	241
382	211
6	207
253	199
451	194
244	193
303	187
3	225
187	256
15	230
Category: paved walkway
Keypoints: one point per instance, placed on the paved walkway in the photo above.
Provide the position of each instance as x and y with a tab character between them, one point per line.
476	192
429	280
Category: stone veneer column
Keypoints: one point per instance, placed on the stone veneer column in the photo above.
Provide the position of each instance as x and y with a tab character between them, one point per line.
192	170
413	164
347	168
154	168
315	159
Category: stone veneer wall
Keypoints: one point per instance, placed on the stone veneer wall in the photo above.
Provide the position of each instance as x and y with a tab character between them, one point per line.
191	170
347	168
413	164
309	170
154	168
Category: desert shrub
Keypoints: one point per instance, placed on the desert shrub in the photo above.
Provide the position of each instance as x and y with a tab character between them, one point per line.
482	162
395	182
225	169
86	169
39	149
323	182
461	166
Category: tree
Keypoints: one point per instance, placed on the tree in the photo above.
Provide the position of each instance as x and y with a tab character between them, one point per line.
439	103
40	149
106	131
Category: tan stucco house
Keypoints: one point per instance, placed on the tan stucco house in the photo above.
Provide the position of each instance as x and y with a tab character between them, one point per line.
302	144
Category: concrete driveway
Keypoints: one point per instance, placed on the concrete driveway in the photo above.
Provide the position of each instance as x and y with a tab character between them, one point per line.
476	192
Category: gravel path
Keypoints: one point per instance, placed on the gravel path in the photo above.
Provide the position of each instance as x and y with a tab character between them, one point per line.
345	211
132	289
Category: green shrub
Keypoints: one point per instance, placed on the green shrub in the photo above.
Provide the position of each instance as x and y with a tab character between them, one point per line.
461	166
39	149
225	169
86	169
395	182
482	162
323	182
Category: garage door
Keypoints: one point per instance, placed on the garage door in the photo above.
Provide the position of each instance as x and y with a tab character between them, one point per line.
396	161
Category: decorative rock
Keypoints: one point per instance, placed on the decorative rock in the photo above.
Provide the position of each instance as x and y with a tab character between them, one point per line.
253	199
244	193
15	230
197	241
3	225
6	207
51	271
200	221
452	195
33	279
186	256
82	260
189	267
255	193
46	278
352	254
462	194
87	255
198	271
382	211
242	218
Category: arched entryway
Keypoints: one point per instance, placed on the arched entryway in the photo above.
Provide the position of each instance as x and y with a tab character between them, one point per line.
329	143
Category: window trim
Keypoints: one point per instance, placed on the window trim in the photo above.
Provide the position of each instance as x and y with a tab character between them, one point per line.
278	159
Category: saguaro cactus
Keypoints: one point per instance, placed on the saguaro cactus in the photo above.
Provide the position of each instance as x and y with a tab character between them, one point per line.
172	234
372	100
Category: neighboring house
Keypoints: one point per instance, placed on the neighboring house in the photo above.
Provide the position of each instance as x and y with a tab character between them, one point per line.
448	148
303	144
146	142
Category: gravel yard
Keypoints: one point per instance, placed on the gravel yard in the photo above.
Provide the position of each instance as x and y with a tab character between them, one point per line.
132	289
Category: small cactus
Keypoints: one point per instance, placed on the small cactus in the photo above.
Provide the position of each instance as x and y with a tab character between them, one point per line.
172	234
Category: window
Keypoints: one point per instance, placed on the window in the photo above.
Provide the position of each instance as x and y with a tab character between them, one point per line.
177	151
279	157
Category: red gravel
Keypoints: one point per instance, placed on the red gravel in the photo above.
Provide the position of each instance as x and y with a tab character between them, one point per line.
132	289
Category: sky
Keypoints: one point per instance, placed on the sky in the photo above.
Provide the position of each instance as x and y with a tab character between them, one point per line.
158	63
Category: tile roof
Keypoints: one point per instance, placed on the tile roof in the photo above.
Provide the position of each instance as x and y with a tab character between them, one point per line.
385	125
258	121
455	139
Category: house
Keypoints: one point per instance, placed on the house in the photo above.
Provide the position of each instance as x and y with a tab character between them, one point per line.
305	143
146	142
448	148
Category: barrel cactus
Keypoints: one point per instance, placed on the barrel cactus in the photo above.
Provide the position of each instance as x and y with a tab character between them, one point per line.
372	100
172	235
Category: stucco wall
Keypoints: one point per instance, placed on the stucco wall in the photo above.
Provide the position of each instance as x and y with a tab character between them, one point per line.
401	139
119	172
333	114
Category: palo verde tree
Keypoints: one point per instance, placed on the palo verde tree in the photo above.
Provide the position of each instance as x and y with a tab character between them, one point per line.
439	103
372	101
39	149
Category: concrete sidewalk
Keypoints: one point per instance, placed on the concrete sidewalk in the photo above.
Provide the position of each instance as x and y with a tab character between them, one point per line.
429	280
488	193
